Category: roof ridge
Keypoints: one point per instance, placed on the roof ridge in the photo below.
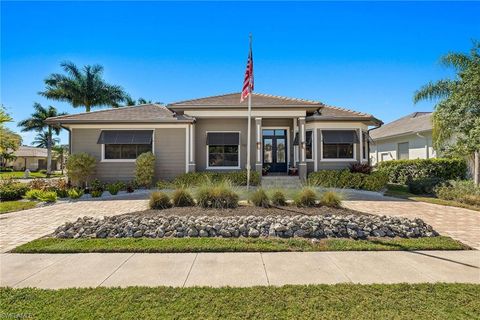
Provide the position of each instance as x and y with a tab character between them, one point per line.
287	98
195	99
348	110
110	109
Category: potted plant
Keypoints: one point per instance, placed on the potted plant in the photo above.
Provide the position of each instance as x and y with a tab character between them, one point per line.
265	169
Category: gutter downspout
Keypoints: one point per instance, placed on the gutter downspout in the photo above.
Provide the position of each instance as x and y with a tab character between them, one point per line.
368	143
426	144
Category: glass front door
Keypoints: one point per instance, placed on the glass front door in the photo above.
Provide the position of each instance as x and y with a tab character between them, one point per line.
275	150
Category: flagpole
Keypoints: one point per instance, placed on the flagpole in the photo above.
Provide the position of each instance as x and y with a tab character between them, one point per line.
249	124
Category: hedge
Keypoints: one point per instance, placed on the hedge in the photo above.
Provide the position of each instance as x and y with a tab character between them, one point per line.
404	171
237	178
375	181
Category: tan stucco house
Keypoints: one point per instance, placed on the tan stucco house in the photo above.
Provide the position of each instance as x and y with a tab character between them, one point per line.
409	137
210	134
31	158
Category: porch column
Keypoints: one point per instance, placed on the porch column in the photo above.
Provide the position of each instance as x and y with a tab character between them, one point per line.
191	148
302	166
360	131
295	147
258	145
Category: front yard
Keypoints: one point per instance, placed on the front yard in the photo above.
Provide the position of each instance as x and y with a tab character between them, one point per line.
342	301
11	206
33	174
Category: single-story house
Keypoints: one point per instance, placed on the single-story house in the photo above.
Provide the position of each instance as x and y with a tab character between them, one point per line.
409	137
31	158
211	134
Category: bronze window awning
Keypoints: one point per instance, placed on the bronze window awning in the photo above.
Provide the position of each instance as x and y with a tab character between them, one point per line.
339	136
125	137
223	138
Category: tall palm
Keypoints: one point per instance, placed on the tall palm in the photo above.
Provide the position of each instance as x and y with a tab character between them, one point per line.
36	122
83	87
41	140
60	151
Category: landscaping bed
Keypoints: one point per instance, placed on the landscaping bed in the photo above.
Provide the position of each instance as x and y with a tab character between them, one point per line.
341	301
166	245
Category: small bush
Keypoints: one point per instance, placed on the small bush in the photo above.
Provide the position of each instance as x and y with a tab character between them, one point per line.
10	190
278	198
40	184
402	171
75	193
331	199
461	190
423	185
306	197
360	168
43	171
218	195
145	169
48	196
375	181
114	188
96	193
236	178
182	198
4	169
33	194
80	167
260	198
162	184
159	200
131	186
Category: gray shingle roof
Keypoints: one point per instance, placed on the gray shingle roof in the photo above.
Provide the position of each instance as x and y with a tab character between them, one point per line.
412	123
26	151
134	114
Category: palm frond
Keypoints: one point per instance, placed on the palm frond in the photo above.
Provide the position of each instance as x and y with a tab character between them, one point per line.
434	90
459	61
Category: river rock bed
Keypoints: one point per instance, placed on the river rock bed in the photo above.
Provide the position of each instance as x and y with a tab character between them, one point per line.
316	226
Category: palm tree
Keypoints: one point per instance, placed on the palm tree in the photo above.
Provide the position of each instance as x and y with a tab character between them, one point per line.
129	101
83	88
41	140
36	122
60	151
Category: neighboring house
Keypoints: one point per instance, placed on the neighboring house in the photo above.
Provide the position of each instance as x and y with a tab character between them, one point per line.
211	134
409	137
31	158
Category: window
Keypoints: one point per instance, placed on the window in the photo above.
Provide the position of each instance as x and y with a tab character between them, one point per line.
125	144
339	144
309	145
402	151
223	149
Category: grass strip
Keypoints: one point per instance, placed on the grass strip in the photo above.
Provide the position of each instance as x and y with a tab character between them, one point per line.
11	206
53	245
341	301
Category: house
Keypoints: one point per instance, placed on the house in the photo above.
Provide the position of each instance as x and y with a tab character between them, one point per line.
211	134
31	158
409	137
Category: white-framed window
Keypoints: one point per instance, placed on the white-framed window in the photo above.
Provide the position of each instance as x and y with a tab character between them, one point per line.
125	145
223	150
339	144
309	144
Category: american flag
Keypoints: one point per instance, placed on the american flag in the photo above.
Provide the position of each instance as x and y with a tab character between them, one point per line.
248	81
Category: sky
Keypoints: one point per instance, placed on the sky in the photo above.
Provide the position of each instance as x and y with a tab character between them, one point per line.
365	56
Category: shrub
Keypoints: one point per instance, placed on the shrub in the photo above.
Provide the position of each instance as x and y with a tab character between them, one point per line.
423	185
278	198
402	171
260	198
10	190
461	190
97	185
80	167
331	199
113	188
75	193
219	195
159	200
4	169
96	193
131	186
182	198
145	169
375	181
306	197
162	184
33	194
43	171
236	178
47	196
39	184
360	168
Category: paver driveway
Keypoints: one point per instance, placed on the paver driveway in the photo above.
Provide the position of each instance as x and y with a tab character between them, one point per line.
21	227
458	223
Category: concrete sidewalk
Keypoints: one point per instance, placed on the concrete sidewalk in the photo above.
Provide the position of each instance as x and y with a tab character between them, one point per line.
236	269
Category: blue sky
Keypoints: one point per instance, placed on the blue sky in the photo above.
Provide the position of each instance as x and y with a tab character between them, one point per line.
369	57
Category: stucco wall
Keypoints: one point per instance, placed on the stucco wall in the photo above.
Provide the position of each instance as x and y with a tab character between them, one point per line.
417	148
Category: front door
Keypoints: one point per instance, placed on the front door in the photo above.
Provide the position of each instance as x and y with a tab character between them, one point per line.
275	150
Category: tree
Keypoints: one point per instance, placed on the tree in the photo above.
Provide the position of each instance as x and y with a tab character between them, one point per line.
80	167
456	118
41	140
83	88
9	140
36	122
129	101
61	151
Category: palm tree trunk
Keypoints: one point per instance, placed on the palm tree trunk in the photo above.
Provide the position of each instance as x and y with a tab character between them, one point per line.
476	168
49	152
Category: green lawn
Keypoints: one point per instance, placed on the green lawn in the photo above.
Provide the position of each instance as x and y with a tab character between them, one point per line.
21	174
53	245
401	191
341	301
10	206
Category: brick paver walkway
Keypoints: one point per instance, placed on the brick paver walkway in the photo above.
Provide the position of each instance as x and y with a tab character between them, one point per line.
458	223
20	227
